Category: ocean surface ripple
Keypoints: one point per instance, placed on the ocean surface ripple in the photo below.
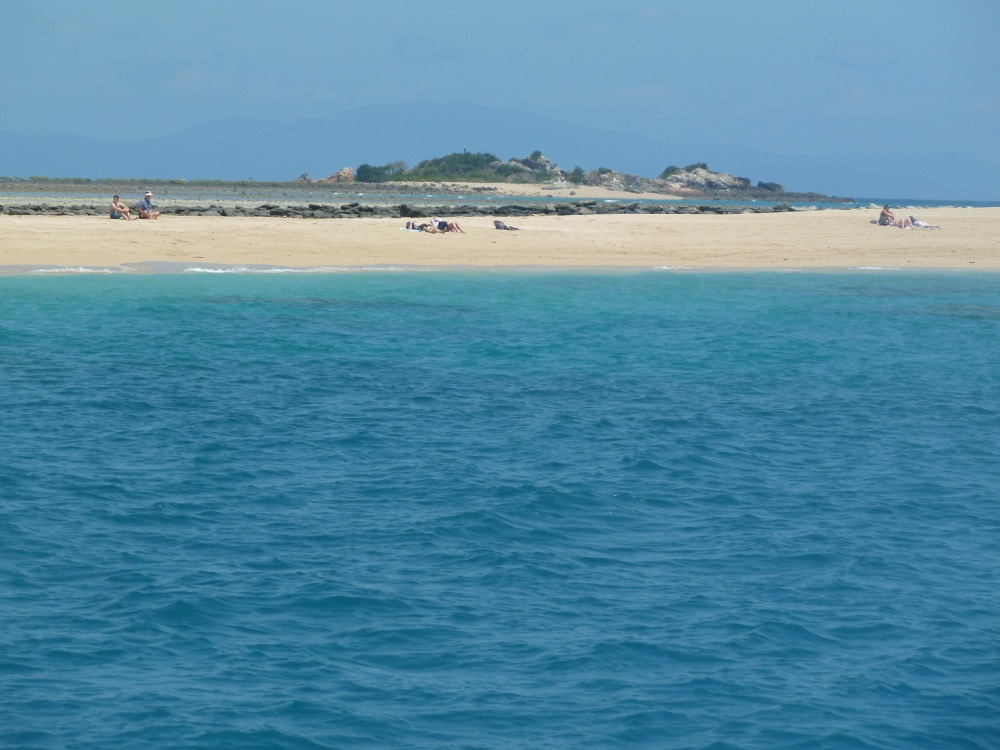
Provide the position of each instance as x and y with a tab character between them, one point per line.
483	510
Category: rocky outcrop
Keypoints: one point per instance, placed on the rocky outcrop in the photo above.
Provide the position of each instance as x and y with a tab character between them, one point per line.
696	181
702	183
343	175
628	183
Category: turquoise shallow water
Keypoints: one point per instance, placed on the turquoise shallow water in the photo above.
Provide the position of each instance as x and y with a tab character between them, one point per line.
500	511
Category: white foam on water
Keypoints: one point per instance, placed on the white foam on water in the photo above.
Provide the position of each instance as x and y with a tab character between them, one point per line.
281	270
78	269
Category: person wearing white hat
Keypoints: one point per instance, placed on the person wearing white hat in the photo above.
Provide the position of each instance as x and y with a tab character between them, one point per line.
146	207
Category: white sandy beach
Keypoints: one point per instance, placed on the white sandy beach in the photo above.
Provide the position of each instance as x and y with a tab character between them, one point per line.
823	239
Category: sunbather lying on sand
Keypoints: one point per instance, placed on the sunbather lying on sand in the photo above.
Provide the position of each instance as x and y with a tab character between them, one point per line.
446	226
434	226
424	226
501	225
907	222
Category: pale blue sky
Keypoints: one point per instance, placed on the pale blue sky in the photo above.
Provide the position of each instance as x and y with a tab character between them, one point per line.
789	76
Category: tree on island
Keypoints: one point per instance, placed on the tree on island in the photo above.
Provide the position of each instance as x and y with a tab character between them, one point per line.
368	173
463	167
674	169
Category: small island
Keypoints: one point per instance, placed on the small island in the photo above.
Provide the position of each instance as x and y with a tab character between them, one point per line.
694	181
470	184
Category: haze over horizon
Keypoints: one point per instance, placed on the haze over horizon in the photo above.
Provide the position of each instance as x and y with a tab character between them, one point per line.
850	99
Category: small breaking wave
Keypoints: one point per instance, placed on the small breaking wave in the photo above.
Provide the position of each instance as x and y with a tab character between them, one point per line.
79	269
285	269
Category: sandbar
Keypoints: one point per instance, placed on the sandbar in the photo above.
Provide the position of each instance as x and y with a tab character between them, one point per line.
821	239
535	190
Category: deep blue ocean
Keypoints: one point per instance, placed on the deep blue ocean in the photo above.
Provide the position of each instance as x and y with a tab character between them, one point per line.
500	510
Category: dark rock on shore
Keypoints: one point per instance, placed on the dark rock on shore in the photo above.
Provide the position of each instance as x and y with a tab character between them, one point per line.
402	210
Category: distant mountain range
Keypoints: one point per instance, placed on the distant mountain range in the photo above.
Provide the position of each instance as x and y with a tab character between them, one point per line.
240	149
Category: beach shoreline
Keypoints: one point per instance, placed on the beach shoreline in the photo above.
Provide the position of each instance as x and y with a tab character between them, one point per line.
806	240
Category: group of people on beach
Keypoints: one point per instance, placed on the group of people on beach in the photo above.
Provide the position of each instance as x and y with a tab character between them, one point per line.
438	226
888	219
434	226
121	210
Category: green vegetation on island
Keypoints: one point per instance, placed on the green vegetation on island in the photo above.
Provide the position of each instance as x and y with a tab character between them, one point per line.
463	167
692	181
486	167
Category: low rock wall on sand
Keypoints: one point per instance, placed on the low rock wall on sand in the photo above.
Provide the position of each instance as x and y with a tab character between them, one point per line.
402	210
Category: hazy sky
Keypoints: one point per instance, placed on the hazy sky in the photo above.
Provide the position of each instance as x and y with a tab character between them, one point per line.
790	76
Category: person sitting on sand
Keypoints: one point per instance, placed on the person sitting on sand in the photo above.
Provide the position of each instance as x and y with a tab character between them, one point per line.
886	218
501	225
446	226
146	207
118	210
